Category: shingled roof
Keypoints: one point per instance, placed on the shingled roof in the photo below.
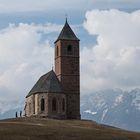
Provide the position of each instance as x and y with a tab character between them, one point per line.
67	33
47	83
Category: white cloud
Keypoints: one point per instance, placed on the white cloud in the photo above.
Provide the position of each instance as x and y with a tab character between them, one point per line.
24	56
114	61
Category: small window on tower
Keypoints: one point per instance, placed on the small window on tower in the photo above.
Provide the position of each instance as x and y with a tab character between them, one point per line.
69	49
57	51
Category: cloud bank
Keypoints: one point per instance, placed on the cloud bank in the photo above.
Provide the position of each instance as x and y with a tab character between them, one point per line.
114	61
24	56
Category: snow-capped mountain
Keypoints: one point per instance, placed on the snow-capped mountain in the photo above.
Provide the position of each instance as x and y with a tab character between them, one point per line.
113	107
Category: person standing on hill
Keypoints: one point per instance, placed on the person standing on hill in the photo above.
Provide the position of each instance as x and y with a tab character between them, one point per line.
20	113
16	115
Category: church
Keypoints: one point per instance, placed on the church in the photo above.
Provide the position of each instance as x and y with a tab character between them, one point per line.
57	93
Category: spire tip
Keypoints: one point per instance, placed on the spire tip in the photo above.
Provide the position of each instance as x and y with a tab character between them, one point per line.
66	18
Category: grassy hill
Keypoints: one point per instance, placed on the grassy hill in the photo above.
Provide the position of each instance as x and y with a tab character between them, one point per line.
46	129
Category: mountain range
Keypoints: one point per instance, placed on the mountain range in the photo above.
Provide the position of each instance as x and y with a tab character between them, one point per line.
113	107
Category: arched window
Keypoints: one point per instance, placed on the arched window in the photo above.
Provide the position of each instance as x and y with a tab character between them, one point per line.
57	51
42	104
63	105
54	104
69	49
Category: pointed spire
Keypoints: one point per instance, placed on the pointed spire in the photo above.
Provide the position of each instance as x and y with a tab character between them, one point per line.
67	33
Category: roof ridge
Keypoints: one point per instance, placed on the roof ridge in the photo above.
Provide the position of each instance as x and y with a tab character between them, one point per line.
47	83
49	73
51	78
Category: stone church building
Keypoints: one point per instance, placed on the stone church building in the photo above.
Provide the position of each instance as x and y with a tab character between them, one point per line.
57	93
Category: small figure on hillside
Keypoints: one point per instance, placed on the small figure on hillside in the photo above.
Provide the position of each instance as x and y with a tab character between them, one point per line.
20	113
16	115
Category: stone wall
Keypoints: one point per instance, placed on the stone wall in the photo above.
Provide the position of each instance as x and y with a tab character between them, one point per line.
59	113
33	105
29	109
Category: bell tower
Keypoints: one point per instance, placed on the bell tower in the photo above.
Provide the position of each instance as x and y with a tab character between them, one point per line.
67	69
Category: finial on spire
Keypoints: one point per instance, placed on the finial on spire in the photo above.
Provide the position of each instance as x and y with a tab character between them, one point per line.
66	17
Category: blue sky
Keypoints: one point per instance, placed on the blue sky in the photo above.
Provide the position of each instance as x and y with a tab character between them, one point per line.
109	34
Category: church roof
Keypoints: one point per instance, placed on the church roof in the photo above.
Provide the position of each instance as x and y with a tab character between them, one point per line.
47	83
67	33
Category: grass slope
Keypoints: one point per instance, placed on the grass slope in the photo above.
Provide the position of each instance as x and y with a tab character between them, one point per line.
46	129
